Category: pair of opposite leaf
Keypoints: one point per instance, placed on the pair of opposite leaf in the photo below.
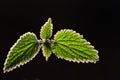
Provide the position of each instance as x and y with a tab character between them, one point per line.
67	44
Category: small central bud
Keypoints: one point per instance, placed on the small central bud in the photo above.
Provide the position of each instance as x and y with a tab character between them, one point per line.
46	41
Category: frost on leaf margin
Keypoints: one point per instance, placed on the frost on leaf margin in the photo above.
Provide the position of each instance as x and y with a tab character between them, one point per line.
23	51
71	46
46	30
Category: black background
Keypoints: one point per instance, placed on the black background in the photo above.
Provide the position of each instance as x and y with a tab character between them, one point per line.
97	20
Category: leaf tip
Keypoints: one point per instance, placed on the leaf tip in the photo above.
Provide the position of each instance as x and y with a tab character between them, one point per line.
4	70
49	20
46	58
46	29
11	62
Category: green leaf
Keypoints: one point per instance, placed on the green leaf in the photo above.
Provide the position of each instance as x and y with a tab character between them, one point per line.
46	30
24	50
71	46
46	48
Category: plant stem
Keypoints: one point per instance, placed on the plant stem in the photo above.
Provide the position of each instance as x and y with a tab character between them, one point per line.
45	41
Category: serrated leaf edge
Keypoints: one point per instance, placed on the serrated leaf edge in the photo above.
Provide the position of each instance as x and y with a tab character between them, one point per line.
20	64
49	19
43	51
78	61
89	44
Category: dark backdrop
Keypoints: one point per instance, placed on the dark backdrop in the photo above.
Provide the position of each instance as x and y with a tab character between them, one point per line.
97	20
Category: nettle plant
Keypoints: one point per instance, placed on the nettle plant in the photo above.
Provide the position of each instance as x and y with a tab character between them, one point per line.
67	44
